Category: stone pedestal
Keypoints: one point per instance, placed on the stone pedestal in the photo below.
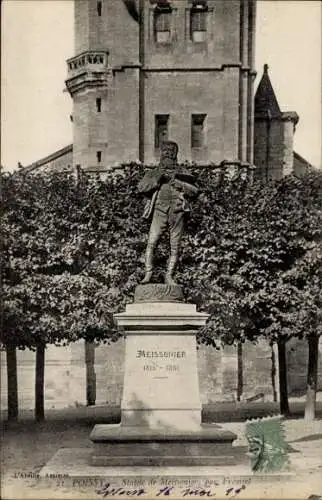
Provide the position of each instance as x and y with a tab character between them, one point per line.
161	408
161	380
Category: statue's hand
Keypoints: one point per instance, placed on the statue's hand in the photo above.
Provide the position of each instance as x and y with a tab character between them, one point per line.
150	182
168	176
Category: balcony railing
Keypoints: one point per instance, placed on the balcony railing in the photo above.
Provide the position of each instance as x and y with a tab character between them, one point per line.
95	60
89	69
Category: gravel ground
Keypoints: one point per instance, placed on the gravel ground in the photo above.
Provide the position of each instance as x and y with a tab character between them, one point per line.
27	447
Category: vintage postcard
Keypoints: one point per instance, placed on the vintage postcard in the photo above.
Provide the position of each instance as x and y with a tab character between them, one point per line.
161	191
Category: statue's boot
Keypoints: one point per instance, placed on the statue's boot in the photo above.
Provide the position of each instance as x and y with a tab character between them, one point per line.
148	265
171	268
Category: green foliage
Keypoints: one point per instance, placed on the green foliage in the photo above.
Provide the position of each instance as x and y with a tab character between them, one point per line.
258	259
61	246
73	253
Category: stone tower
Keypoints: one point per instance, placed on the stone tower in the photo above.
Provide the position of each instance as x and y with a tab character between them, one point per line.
148	70
274	133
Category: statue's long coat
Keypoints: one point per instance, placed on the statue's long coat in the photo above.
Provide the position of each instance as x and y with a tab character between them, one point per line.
167	189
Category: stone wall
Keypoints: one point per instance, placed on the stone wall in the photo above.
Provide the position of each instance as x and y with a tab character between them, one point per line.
288	139
257	376
179	97
297	358
65	374
269	148
64	377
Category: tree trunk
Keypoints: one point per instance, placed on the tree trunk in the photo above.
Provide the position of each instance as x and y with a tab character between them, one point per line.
312	377
284	406
90	373
12	383
273	374
39	386
240	381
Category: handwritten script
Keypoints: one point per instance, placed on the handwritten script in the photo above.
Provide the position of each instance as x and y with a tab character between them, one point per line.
108	491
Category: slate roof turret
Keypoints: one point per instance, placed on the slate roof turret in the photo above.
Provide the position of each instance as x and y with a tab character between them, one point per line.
266	104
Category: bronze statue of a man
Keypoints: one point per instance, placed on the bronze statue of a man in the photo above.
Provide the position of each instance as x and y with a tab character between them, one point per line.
169	189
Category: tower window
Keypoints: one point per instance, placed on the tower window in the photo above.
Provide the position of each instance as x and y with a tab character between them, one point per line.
162	24
98	104
198	130
198	23
99	8
99	156
161	130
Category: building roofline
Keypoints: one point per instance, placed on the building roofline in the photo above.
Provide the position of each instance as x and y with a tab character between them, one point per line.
49	158
303	160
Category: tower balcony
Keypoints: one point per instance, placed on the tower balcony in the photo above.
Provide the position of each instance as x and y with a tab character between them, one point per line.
88	70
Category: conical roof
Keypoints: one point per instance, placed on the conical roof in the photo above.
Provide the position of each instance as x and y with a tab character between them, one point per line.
265	99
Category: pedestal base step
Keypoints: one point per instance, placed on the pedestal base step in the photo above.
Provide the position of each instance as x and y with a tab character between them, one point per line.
124	445
161	461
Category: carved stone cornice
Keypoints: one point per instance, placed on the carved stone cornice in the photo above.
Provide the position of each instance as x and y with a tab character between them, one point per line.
290	116
88	70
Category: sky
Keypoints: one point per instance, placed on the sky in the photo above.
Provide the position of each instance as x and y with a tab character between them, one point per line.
37	38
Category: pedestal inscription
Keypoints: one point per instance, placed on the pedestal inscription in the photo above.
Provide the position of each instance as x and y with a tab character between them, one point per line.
161	381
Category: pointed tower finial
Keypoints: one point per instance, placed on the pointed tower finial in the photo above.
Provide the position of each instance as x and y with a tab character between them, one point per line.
265	98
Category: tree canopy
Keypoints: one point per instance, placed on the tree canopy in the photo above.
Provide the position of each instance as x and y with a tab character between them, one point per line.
73	253
258	258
